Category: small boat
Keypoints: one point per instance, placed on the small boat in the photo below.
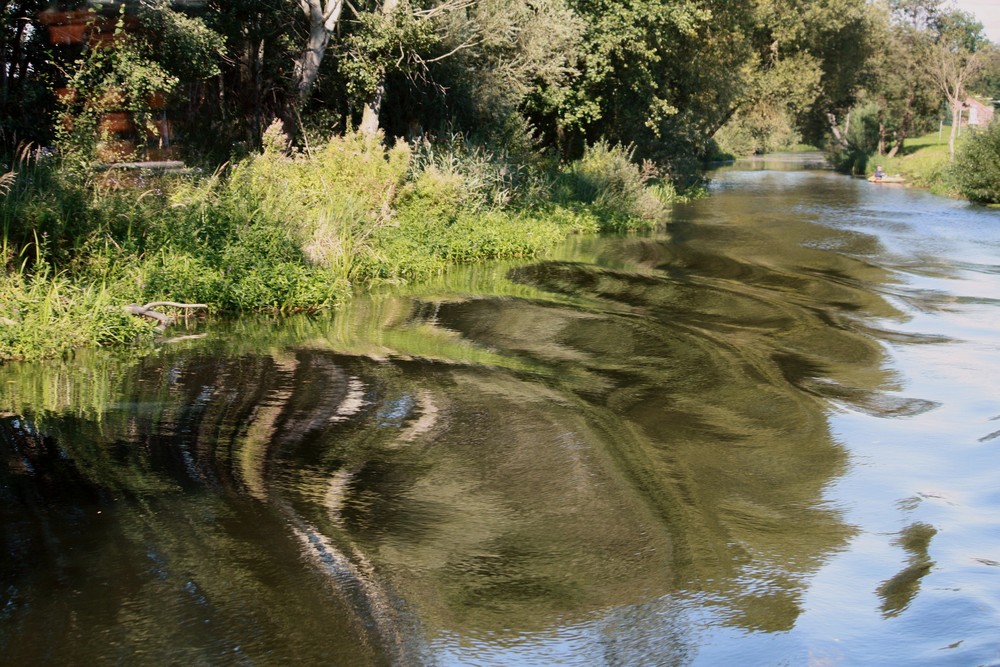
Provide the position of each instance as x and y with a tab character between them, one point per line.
886	179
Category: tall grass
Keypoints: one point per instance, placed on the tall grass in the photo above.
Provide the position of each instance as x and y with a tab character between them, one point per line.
44	314
52	298
607	179
285	231
490	177
41	204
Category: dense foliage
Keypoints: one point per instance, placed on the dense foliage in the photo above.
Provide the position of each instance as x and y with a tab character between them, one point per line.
661	75
977	167
664	76
281	231
929	59
380	140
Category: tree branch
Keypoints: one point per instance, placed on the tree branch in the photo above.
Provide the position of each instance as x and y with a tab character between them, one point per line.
331	15
451	6
460	47
163	319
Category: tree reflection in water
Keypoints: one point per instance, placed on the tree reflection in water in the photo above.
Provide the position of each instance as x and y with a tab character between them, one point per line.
598	450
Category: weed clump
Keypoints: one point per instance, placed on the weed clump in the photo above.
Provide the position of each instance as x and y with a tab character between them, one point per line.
607	179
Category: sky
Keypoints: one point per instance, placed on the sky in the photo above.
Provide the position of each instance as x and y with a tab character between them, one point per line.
988	13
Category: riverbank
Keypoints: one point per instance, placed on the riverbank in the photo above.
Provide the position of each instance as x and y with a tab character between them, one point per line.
286	233
603	458
925	163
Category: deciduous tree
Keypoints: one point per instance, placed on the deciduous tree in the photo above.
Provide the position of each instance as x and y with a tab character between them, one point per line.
953	59
25	65
906	96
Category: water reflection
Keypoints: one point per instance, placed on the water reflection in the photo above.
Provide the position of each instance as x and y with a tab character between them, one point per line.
591	459
899	591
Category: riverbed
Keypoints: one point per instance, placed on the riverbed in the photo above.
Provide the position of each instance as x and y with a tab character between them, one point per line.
768	434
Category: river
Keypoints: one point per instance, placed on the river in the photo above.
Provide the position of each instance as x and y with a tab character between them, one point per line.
767	435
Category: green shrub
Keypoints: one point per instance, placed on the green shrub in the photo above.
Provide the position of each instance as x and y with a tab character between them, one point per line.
762	128
286	286
284	230
854	161
977	166
173	275
571	218
332	200
489	177
266	268
607	178
500	235
41	204
433	194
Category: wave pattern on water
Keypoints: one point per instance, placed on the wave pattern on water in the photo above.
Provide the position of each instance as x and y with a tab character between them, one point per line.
626	454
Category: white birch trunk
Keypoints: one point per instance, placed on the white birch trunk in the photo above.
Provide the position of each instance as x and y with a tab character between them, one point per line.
323	18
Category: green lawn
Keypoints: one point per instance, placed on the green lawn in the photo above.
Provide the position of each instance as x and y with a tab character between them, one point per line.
924	162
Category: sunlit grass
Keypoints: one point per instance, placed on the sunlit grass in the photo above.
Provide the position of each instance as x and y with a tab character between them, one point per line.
43	315
924	162
286	233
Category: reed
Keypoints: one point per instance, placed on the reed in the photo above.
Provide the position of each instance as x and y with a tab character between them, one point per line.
607	179
44	314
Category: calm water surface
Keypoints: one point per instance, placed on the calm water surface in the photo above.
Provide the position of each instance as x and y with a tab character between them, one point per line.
769	435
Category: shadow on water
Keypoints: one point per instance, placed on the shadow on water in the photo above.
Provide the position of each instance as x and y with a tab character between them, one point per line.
597	450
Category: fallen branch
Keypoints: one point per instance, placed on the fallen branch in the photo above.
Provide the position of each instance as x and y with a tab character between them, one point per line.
164	319
177	339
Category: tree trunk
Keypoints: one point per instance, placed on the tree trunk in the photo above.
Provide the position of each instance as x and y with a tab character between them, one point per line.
323	18
16	64
904	127
722	120
835	130
307	68
951	67
373	105
3	56
956	121
898	146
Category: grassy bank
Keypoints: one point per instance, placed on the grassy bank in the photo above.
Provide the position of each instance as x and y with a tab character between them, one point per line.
923	163
279	232
974	174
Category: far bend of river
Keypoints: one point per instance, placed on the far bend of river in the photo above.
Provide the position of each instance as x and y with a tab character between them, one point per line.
768	435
